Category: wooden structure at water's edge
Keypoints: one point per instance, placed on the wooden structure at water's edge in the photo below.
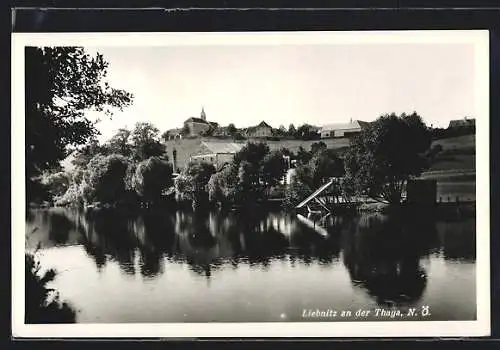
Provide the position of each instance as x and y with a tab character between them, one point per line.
419	192
315	196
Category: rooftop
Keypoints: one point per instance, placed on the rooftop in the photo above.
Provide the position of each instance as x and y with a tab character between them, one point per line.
196	120
355	124
264	124
223	147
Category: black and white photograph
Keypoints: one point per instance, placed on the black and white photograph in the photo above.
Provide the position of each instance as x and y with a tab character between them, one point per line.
251	184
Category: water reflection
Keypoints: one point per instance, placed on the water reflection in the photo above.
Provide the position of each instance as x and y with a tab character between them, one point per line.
384	256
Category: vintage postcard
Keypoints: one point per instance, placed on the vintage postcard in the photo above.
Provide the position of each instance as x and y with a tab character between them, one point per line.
272	184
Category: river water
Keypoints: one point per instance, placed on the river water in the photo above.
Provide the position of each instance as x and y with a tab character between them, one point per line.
185	266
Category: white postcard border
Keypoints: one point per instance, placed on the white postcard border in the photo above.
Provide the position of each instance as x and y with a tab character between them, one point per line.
480	327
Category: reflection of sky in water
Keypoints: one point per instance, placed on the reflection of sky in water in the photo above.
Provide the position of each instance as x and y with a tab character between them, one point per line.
158	267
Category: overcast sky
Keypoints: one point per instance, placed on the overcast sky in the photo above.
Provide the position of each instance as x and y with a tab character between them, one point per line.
283	84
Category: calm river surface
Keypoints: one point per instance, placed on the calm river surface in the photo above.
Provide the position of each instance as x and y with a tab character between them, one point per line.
156	266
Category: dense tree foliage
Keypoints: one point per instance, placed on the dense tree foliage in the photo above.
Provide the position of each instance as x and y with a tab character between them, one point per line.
131	167
306	132
249	178
152	177
386	154
314	168
145	139
231	129
193	180
222	186
120	143
62	84
56	183
273	168
104	179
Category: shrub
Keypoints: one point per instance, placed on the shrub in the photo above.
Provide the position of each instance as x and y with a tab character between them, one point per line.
43	304
152	177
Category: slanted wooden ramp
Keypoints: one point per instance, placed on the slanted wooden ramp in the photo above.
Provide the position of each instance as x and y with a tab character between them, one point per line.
314	196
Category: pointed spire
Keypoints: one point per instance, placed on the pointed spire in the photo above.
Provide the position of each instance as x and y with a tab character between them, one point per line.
203	115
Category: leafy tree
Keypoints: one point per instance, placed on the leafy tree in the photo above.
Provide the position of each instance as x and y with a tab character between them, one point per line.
223	186
84	154
247	185
295	192
386	155
281	131
146	142
305	132
273	168
62	83
317	147
43	304
303	156
104	179
231	129
292	131
252	152
57	183
321	166
119	143
152	177
192	181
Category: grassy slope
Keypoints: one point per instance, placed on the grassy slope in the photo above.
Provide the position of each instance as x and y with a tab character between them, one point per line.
458	156
455	169
458	152
187	146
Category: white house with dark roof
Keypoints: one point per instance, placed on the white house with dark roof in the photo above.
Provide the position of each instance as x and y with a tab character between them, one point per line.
218	153
342	129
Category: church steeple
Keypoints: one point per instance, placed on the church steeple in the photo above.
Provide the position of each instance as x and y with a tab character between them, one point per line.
203	115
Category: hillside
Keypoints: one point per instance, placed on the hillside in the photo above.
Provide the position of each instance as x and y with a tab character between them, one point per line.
186	147
458	155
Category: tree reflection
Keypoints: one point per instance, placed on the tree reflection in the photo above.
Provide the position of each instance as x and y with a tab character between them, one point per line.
382	255
155	235
107	233
59	228
317	239
196	243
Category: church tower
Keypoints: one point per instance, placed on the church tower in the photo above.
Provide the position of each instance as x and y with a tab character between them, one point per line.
203	115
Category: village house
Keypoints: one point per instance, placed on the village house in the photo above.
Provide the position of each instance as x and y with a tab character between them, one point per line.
173	134
199	126
342	130
221	132
217	153
462	123
261	130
